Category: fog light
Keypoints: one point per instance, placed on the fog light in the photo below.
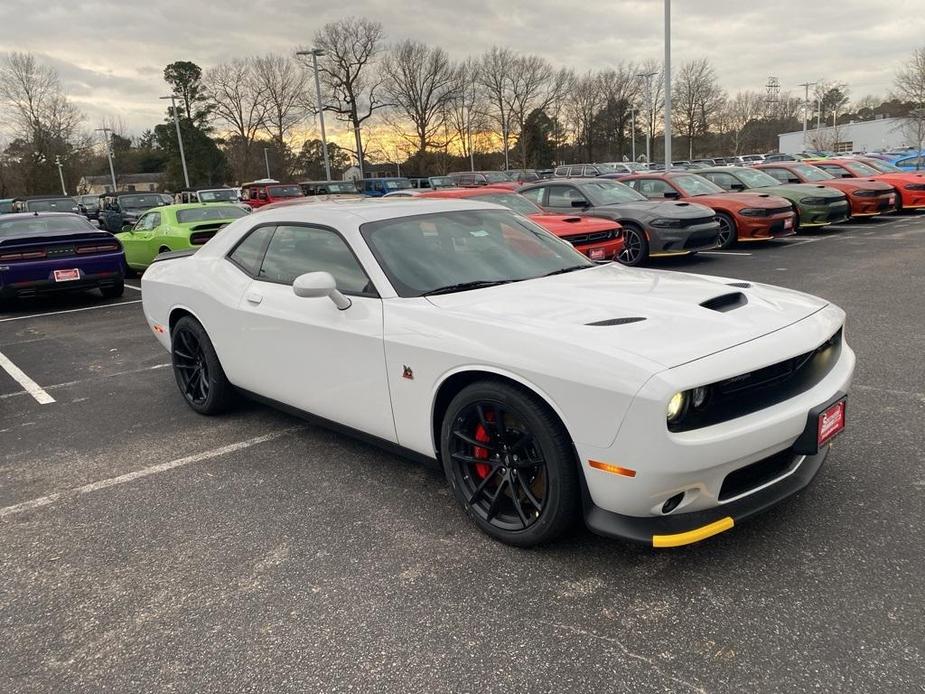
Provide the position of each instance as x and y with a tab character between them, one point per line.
698	397
675	406
672	503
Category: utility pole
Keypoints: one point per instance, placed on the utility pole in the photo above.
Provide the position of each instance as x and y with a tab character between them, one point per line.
112	171
266	159
60	173
651	107
667	126
806	86
315	53
176	122
633	128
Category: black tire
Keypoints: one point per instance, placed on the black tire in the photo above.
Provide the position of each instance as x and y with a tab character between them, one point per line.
113	291
521	486
197	370
728	231
163	249
635	246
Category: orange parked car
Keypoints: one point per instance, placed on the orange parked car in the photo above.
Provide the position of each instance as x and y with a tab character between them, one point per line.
744	216
911	185
867	197
599	239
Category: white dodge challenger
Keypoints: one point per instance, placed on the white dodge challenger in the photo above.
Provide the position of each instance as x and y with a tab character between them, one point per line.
663	407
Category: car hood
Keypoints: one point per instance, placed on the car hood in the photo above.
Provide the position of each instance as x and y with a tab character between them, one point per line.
800	190
676	328
673	209
849	185
741	200
566	225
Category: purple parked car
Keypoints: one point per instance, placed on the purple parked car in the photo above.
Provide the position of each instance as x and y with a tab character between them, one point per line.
53	252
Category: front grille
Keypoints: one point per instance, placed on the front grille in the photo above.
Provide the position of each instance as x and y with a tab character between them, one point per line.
685	223
753	476
762	388
589	238
702	239
779	210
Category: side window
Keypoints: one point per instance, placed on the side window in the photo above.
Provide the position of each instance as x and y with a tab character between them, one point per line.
248	254
560	171
723	180
632	184
562	196
153	220
836	171
653	188
781	175
535	194
295	250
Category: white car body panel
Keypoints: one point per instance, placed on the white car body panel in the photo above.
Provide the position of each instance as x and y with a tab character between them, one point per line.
608	384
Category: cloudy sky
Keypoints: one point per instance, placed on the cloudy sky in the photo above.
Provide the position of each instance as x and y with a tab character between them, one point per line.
111	53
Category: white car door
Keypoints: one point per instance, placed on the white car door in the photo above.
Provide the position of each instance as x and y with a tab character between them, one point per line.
307	353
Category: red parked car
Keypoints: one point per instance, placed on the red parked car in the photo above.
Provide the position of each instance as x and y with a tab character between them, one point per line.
867	197
260	193
599	239
911	185
742	216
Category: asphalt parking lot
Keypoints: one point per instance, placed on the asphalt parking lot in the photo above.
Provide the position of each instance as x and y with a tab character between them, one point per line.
146	548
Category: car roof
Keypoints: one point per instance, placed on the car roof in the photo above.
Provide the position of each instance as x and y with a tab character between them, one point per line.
44	197
372	209
32	215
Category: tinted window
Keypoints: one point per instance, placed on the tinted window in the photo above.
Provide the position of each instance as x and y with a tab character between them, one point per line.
285	191
142	202
723	180
295	250
534	195
781	175
562	196
248	254
213	213
39	225
653	188
59	205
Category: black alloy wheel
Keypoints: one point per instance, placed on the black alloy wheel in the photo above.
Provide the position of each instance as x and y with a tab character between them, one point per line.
510	464
635	246
728	233
199	374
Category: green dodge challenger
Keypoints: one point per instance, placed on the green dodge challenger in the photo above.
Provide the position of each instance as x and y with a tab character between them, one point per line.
173	228
815	205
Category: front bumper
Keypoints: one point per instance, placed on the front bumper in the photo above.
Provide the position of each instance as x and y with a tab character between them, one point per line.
700	237
764	228
601	250
823	215
869	207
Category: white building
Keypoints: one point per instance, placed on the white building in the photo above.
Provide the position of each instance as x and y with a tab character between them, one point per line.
861	136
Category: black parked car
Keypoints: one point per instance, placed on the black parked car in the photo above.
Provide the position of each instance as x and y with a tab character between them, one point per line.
118	210
45	203
89	205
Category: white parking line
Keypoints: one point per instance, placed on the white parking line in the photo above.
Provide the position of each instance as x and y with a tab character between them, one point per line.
30	386
132	286
68	384
70	310
143	472
722	253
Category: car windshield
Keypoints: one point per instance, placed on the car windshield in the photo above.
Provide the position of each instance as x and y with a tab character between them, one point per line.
341	187
497	177
442	182
512	201
396	183
208	214
140	202
859	168
221	195
696	185
57	205
90	200
6	206
756	179
609	193
32	225
883	166
285	191
454	251
812	173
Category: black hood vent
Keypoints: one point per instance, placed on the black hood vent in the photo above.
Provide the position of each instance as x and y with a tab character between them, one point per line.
740	285
617	321
725	302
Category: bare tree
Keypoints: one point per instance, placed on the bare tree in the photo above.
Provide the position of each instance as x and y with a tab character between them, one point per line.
495	75
420	83
238	101
619	91
531	89
585	102
737	114
283	86
910	87
351	47
651	77
697	98
468	110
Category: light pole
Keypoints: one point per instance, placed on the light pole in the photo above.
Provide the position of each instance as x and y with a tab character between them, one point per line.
176	122
314	53
60	173
112	171
649	121
266	159
667	126
806	86
633	129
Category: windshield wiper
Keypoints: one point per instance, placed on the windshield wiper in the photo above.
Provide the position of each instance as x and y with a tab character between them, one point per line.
463	286
562	271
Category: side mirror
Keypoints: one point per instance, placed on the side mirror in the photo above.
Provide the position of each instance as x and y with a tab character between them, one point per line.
847	175
313	285
262	195
127	227
737	186
672	194
580	203
95	223
793	179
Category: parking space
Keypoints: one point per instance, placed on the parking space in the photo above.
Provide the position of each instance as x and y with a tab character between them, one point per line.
147	548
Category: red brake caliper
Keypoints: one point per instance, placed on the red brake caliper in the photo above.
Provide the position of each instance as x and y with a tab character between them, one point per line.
482	469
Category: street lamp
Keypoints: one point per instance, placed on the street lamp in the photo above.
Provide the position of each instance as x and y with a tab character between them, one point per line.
112	171
648	78
176	122
806	86
266	159
667	126
314	53
633	128
60	173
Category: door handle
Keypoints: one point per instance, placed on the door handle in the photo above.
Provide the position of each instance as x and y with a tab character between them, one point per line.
254	297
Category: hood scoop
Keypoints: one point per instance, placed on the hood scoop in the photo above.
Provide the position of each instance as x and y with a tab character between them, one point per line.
725	302
617	321
740	285
572	220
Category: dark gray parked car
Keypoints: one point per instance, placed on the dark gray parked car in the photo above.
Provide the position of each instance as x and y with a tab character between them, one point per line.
649	227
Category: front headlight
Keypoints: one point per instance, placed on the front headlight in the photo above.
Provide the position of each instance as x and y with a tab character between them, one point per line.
755	212
676	407
914	186
866	193
666	223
